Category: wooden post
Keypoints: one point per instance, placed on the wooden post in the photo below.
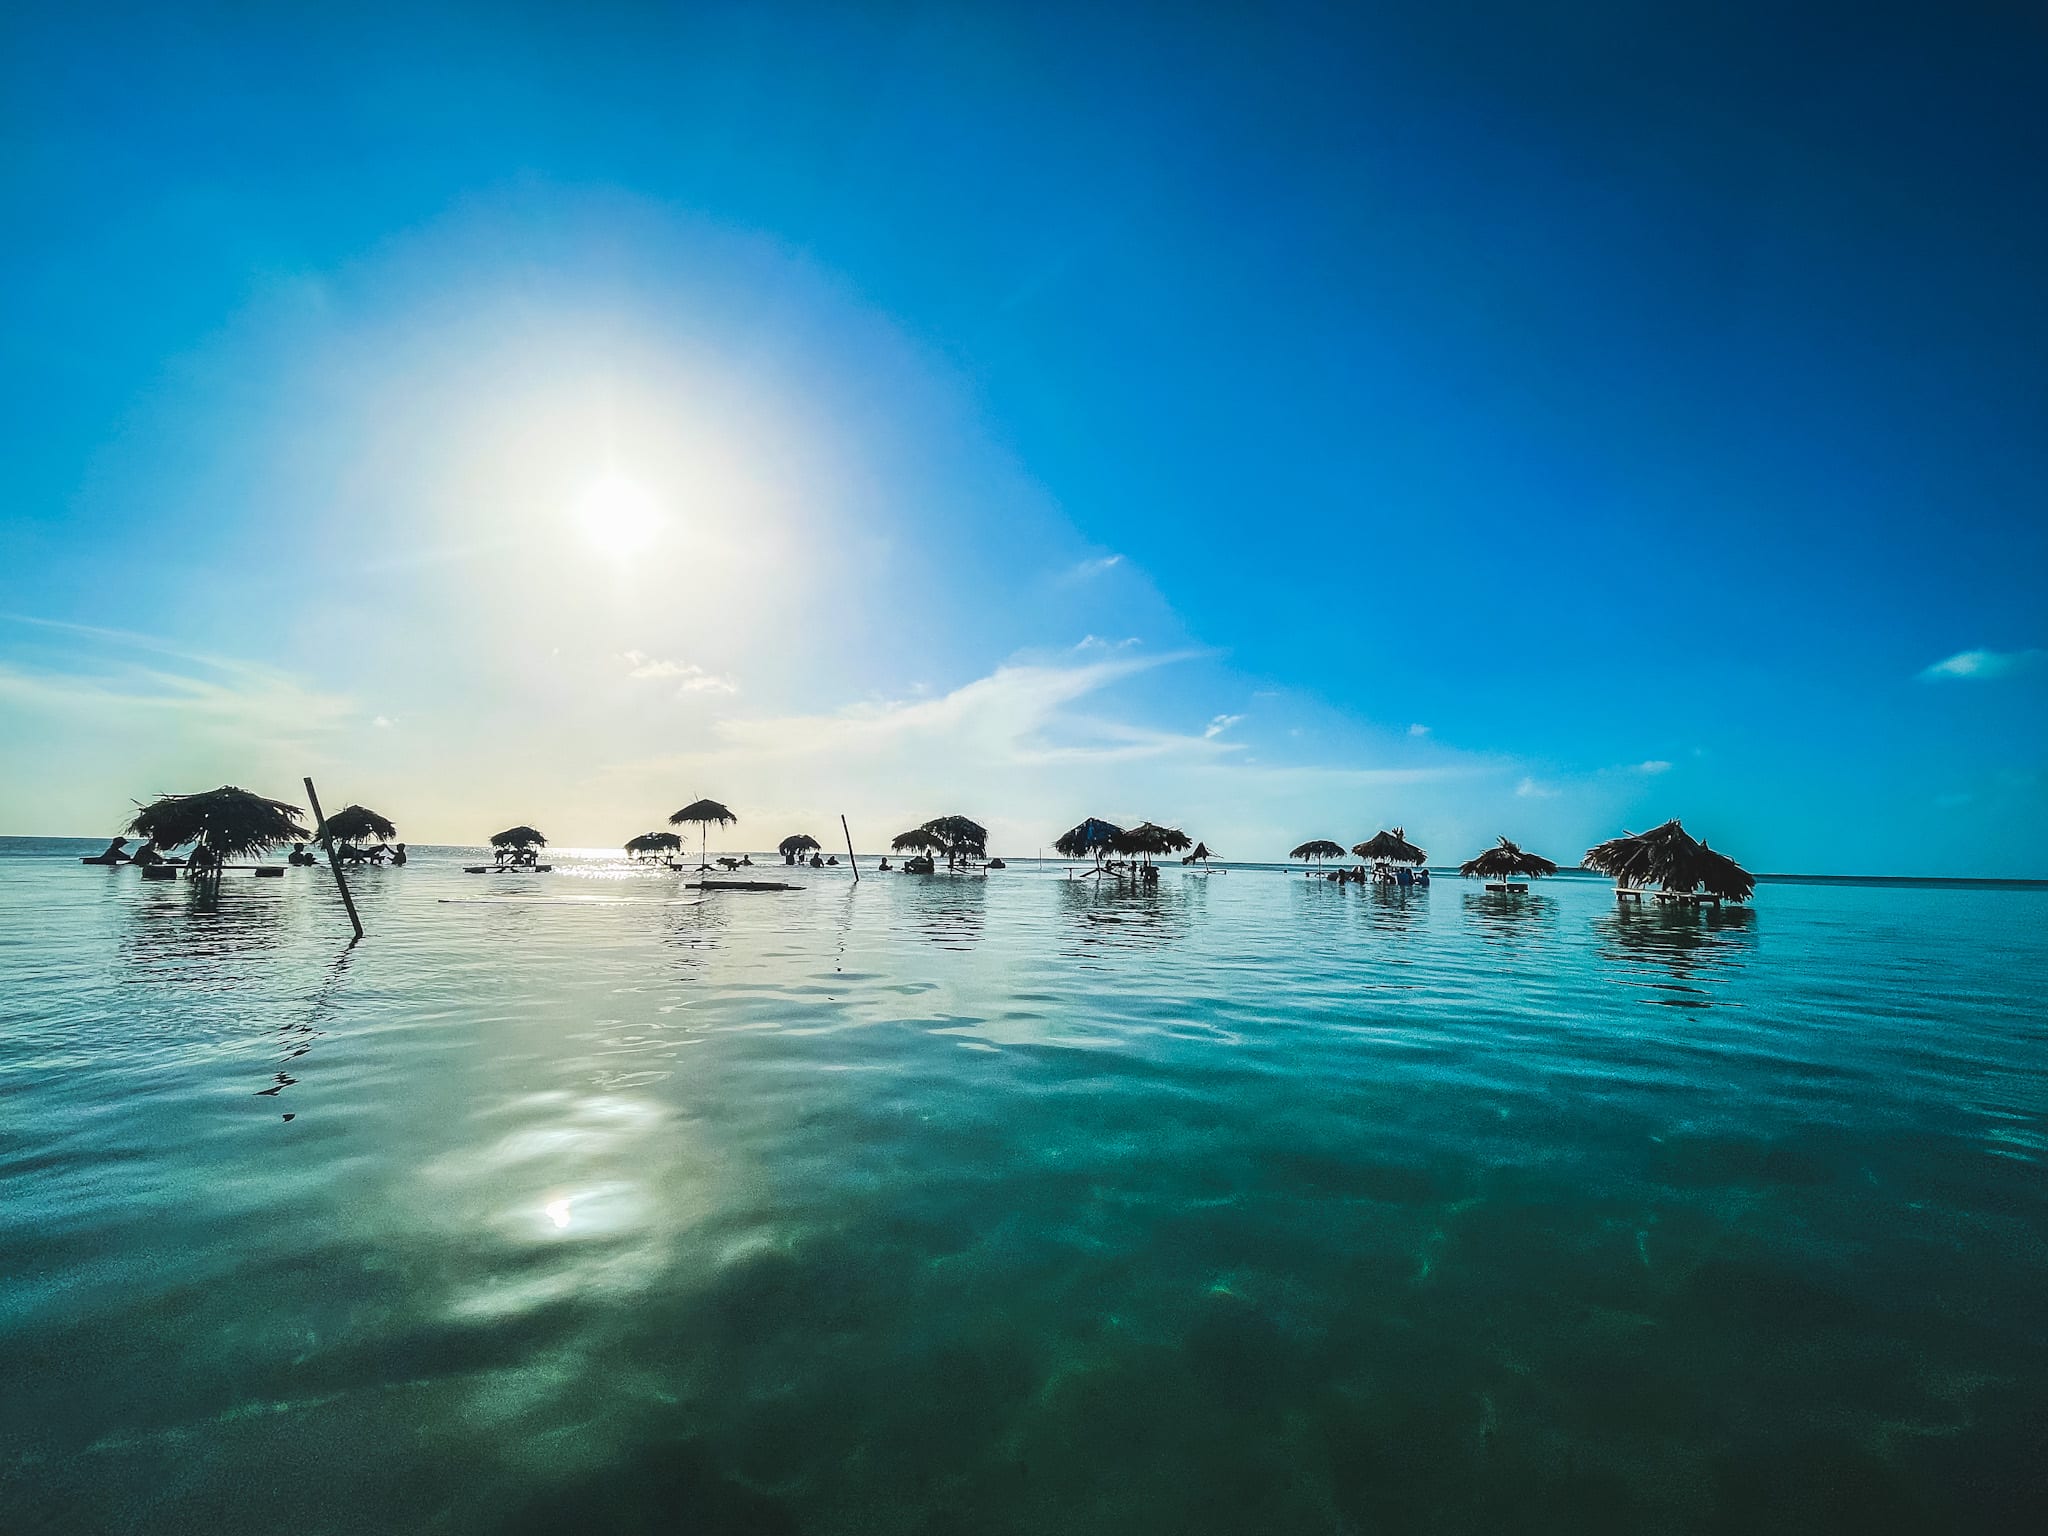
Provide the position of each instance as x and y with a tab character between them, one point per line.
849	847
333	863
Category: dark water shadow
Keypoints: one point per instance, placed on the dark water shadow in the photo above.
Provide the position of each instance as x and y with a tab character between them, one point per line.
1508	918
1675	950
950	911
295	1037
199	934
1100	916
666	1488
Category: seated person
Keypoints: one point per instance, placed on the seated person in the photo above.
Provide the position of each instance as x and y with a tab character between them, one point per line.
203	860
299	856
398	854
885	863
117	853
146	854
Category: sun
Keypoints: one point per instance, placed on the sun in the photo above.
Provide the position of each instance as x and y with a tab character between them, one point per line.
619	517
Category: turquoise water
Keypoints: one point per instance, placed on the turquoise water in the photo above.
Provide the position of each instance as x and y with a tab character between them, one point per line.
572	1202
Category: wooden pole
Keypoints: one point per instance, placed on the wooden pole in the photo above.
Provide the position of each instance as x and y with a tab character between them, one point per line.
849	848
333	863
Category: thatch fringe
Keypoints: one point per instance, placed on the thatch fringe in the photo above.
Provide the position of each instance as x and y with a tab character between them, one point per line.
518	837
357	824
1093	836
229	822
1669	857
704	812
1389	848
653	842
801	842
1505	860
1321	848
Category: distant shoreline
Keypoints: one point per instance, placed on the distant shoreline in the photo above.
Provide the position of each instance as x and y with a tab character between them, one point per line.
1958	882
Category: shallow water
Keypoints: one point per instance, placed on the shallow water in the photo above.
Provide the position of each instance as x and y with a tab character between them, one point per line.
996	1205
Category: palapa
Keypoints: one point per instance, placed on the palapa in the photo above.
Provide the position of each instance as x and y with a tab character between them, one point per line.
1503	861
227	822
1389	848
1673	860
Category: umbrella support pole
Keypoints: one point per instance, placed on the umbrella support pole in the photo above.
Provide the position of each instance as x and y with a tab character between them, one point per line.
849	847
333	863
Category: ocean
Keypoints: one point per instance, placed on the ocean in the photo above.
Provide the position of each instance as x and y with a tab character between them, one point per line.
1007	1203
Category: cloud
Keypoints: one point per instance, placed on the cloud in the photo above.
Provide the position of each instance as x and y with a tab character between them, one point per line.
1087	570
1529	789
1219	725
1418	730
1980	666
1653	765
384	722
691	677
1097	643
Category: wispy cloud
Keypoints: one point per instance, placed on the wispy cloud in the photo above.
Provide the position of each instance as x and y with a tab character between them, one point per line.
1980	666
1097	643
1087	570
1529	789
1653	765
1219	725
1418	730
104	676
688	676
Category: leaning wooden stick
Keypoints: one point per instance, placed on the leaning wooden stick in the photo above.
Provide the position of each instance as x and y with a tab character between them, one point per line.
849	848
333	863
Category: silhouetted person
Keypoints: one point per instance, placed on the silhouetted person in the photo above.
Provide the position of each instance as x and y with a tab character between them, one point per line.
398	854
117	852
147	854
299	856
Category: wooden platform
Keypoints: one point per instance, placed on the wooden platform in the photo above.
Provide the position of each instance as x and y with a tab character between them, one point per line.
1673	898
506	869
740	885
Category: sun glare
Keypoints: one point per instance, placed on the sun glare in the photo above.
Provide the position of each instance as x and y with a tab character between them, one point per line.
618	517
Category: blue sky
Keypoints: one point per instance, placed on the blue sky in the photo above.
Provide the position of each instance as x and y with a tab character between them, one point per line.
1284	421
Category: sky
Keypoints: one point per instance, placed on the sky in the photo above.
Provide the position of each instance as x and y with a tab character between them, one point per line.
1280	422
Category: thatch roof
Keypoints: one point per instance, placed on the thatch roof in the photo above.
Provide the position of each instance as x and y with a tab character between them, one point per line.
960	836
1389	847
1505	859
519	837
923	839
707	812
802	842
356	824
1150	839
654	842
1092	836
1201	852
229	821
1321	848
1668	856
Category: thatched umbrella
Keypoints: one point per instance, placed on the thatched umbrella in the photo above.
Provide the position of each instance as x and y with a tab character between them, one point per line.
226	822
963	839
1148	840
919	840
1091	836
1200	854
1320	849
1389	848
1672	859
653	842
354	824
1503	861
705	814
801	843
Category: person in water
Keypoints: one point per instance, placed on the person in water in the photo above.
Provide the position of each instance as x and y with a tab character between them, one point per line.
398	854
299	856
203	861
146	854
885	864
117	852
